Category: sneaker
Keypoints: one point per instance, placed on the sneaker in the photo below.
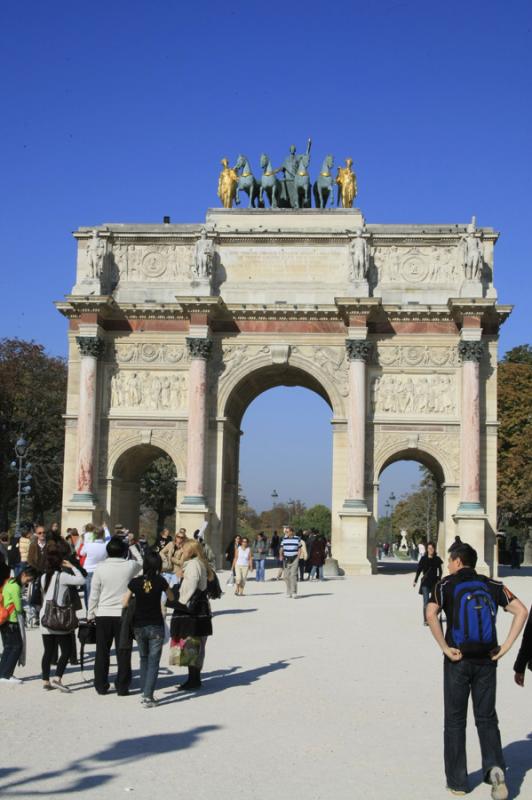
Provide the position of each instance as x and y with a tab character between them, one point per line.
149	702
456	792
499	790
13	681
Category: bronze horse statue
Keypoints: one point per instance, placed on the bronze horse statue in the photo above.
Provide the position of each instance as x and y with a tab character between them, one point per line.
302	183
324	185
269	184
246	182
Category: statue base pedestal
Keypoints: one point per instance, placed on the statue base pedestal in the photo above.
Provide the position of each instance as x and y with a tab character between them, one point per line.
471	530
471	289
82	509
192	515
331	568
88	286
201	287
352	547
359	288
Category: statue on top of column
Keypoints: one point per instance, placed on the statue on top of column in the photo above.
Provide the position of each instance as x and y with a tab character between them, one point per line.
95	255
290	168
471	250
227	183
347	184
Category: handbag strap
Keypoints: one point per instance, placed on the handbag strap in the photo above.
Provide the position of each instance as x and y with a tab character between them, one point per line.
56	587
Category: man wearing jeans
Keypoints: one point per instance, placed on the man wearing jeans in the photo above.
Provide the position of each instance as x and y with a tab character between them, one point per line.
470	664
289	553
260	551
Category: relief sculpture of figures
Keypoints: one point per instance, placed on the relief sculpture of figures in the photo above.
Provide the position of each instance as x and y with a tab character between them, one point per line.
95	255
227	183
148	390
419	394
472	253
359	253
203	256
347	184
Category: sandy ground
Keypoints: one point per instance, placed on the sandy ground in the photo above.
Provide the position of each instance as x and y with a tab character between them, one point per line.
335	695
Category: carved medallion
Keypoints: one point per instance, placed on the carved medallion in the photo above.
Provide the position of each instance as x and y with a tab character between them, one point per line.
153	264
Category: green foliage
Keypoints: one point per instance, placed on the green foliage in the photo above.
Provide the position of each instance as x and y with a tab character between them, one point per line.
158	489
32	404
514	461
318	517
416	512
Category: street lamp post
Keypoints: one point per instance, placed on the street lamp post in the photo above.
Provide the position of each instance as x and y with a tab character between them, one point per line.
23	481
274	500
390	504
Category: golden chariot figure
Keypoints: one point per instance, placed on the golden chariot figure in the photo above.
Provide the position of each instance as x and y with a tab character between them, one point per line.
227	183
347	184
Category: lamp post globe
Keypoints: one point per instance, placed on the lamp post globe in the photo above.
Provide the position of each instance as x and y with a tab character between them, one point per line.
21	446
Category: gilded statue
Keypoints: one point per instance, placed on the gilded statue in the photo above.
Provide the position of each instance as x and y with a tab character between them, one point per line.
347	184
227	183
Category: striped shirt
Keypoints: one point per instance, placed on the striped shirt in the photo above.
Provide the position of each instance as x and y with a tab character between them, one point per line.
291	545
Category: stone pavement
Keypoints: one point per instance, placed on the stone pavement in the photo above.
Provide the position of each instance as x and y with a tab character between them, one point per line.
335	695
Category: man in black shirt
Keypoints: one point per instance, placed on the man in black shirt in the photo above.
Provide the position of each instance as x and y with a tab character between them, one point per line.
470	603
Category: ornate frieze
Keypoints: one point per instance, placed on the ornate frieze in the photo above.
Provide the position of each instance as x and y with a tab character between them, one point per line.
90	346
155	262
199	348
445	447
418	264
471	351
416	355
413	394
358	349
158	391
150	353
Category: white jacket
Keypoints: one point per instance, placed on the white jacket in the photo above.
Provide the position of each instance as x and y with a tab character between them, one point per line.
109	585
194	577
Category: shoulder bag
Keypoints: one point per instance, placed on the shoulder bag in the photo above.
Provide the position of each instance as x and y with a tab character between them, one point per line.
58	618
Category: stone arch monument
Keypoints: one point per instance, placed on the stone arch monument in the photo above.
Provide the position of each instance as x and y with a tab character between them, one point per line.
175	329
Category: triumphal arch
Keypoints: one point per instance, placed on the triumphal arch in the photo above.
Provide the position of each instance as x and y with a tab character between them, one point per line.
176	328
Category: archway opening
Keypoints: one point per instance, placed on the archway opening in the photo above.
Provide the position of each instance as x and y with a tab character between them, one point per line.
282	471
411	510
144	490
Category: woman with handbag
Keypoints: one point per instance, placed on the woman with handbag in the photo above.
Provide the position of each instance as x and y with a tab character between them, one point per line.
57	617
192	618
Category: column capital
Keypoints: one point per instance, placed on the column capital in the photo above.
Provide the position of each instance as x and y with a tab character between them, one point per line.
358	349
199	348
90	346
471	351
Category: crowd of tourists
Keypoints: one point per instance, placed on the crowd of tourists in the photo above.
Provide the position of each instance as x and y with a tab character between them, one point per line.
126	586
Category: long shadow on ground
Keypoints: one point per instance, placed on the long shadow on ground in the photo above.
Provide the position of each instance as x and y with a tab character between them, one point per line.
518	757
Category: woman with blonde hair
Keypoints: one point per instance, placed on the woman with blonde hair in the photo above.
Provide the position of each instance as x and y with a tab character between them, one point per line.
192	618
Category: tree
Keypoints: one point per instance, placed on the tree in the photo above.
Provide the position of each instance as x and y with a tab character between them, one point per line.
514	459
158	489
318	517
416	512
32	404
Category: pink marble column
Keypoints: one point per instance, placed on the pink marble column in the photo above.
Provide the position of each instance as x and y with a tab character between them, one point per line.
358	352
471	354
199	350
91	347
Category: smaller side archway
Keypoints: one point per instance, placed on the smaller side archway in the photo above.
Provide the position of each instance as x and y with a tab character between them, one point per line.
125	483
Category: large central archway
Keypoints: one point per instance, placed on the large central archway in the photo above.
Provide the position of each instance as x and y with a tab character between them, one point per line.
242	394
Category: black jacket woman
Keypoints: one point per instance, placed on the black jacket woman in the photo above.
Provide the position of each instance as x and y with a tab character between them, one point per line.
430	566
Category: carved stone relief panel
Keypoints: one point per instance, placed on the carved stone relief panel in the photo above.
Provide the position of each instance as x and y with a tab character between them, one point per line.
134	262
444	447
148	390
149	353
118	440
417	355
402	394
413	265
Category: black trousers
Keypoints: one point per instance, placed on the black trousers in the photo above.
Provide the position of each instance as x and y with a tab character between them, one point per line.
460	679
51	642
12	643
107	629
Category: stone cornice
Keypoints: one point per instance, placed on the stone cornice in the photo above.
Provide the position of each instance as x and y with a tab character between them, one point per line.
282	311
73	306
417	313
491	314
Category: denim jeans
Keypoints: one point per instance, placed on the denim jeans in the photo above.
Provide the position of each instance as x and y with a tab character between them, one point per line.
12	643
460	678
87	589
316	571
150	643
260	566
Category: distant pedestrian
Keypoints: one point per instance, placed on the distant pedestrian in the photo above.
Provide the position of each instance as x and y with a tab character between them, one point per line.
242	564
260	552
135	548
524	656
275	544
303	555
430	568
148	624
289	552
470	602
317	557
230	556
515	561
171	557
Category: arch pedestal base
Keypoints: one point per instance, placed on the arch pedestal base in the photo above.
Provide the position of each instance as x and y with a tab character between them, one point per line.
351	548
471	528
192	516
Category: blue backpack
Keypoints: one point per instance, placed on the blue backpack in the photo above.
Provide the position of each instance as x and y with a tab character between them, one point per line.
474	616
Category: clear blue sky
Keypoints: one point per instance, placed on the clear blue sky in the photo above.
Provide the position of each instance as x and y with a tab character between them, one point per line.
120	111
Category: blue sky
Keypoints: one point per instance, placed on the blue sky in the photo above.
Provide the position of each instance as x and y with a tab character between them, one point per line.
121	111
